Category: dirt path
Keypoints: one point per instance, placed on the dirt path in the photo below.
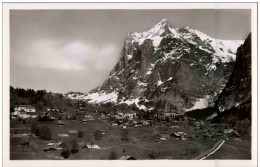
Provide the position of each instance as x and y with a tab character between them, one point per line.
210	151
103	121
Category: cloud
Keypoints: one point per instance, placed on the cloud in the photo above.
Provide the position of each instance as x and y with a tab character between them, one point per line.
72	55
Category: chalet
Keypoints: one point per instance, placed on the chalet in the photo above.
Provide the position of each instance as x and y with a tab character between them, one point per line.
54	145
145	123
127	157
73	131
169	114
94	146
228	131
60	122
63	135
163	139
179	135
24	111
135	122
114	124
84	120
176	135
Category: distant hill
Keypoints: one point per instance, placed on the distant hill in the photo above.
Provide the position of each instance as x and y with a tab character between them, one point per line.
41	99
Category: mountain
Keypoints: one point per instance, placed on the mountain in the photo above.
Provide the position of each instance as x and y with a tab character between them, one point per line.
237	93
168	69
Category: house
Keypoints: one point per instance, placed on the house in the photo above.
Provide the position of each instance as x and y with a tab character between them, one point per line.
94	146
135	122
145	123
55	145
176	135
163	139
182	133
88	117
228	131
114	124
24	111
130	115
179	135
60	122
73	131
127	157
63	135
84	120
169	114
231	133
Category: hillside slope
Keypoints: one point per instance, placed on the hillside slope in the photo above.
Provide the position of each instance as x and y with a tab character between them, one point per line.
237	92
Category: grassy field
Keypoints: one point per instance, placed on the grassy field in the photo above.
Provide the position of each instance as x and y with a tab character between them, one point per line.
233	149
141	142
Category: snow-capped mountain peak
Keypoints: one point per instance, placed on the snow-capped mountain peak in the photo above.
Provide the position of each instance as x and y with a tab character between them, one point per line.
174	67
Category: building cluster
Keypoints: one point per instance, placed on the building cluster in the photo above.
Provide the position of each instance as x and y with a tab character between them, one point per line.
24	112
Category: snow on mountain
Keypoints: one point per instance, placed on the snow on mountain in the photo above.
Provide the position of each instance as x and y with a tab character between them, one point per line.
101	97
168	65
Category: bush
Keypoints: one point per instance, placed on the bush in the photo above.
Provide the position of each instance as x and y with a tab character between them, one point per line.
112	155
65	153
80	134
45	133
74	147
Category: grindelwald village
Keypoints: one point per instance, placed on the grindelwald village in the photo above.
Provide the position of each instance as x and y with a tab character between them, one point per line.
130	84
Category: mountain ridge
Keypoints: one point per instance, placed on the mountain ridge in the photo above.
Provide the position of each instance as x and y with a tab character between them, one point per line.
158	67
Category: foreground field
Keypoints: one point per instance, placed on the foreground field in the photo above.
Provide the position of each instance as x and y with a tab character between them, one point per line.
142	143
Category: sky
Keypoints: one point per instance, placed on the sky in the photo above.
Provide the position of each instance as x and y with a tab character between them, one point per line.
75	50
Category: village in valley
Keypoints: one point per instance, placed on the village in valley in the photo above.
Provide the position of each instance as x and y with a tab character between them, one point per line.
138	85
108	131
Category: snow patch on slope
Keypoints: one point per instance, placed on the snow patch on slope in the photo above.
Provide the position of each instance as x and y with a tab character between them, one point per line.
101	97
200	103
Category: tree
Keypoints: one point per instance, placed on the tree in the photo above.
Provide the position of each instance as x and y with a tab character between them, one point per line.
74	147
80	134
112	155
97	135
65	153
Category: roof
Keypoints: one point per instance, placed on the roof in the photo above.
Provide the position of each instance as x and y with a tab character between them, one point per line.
26	106
176	134
72	131
63	135
60	122
92	146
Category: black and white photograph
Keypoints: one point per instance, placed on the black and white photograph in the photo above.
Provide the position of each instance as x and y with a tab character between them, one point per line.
130	83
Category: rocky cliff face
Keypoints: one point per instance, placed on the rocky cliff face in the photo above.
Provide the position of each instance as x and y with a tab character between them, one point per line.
237	92
173	69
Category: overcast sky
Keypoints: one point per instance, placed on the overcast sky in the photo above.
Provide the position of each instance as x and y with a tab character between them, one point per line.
75	50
